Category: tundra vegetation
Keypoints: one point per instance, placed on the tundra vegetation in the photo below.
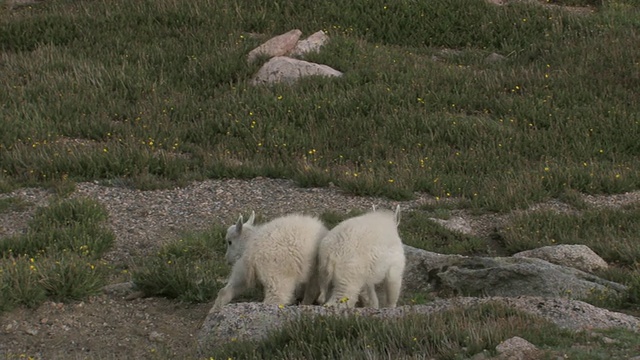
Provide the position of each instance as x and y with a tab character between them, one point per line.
153	94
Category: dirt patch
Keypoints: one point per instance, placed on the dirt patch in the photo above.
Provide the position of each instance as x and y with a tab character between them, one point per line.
103	328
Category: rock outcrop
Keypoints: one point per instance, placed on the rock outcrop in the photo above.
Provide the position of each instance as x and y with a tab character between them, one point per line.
530	285
499	276
252	321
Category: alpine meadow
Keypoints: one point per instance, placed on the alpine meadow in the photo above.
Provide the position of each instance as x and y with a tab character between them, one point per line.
487	107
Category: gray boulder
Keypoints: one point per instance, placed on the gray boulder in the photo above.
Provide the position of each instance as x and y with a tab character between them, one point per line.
576	256
499	276
421	266
252	321
288	70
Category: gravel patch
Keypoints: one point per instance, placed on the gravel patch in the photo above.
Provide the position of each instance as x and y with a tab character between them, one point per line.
144	220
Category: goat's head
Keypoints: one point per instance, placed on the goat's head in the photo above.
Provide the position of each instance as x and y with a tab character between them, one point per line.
236	238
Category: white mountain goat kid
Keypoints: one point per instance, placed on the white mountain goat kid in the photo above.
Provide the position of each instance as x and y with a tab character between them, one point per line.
280	254
358	254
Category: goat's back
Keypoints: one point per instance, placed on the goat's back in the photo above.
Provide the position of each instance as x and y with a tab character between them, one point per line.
288	244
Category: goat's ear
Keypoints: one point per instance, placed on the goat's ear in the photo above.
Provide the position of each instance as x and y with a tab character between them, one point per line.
239	224
252	218
397	215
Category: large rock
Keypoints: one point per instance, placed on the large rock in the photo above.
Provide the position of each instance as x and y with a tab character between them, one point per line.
576	256
288	70
421	266
499	276
252	321
276	46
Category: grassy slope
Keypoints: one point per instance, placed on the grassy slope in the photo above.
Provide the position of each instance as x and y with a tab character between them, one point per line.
155	91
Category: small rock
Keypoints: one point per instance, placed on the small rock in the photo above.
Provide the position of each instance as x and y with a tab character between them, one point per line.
119	289
11	326
31	331
135	295
311	44
515	347
156	337
494	57
609	341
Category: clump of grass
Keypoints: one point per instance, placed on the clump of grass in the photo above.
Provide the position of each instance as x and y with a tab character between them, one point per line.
70	276
444	335
573	198
65	276
13	204
191	269
21	282
613	234
57	257
68	213
75	225
626	276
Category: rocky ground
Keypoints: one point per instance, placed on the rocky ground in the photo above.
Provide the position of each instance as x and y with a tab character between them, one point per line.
109	326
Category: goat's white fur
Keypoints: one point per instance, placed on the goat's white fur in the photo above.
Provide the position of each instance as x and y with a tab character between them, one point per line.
280	254
358	254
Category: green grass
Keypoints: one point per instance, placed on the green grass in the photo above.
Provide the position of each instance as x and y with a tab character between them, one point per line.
154	94
191	269
612	233
451	334
74	225
13	204
58	257
418	231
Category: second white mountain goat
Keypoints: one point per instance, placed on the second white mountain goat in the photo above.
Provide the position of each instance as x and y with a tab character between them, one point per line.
358	254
